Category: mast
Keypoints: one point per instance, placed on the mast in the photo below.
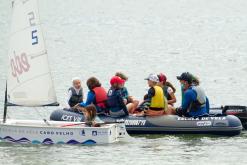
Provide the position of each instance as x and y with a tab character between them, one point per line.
5	105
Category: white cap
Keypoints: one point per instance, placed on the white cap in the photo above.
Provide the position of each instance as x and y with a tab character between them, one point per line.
75	78
153	77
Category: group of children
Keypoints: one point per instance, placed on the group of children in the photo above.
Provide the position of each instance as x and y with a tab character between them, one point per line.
117	102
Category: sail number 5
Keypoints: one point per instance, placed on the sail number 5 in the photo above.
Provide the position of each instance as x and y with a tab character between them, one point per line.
34	32
34	37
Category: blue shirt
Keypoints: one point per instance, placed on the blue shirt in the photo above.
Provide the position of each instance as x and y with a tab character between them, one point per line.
190	96
90	99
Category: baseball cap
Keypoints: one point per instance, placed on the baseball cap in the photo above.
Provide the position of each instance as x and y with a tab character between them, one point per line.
186	76
117	80
152	77
162	77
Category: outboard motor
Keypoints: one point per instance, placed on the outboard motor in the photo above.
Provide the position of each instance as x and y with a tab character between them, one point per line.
238	111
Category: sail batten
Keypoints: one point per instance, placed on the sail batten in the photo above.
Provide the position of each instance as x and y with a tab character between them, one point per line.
29	78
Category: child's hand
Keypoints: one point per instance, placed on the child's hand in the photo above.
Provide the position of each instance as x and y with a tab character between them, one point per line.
125	101
76	106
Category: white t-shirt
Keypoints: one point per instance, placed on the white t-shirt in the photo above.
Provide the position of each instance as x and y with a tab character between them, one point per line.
170	90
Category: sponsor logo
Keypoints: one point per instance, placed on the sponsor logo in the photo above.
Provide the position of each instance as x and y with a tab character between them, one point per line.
187	118
203	123
71	118
101	133
220	124
82	133
234	112
62	133
19	64
200	119
94	133
133	122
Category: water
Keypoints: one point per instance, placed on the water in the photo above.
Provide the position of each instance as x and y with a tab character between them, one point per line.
100	37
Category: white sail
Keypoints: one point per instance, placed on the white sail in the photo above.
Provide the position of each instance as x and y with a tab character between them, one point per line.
29	78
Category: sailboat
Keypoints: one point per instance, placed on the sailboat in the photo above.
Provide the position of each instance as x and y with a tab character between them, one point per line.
30	84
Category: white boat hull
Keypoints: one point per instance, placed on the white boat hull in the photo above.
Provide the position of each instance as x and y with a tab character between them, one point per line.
57	132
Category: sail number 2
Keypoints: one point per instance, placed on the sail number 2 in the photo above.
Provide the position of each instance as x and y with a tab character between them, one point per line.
34	32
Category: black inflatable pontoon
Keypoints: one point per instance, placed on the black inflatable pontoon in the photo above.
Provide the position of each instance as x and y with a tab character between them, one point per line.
227	125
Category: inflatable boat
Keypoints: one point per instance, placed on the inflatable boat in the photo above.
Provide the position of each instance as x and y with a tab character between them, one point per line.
227	125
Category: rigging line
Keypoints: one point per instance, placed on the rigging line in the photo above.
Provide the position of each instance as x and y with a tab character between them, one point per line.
41	31
43	116
38	76
23	29
46	111
8	116
40	114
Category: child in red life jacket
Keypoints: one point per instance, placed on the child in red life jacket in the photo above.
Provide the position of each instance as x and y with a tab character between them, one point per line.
96	95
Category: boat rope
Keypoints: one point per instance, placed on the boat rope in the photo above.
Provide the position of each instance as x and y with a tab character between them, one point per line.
40	114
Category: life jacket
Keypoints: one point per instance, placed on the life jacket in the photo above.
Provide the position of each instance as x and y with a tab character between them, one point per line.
75	98
200	101
158	100
100	96
115	101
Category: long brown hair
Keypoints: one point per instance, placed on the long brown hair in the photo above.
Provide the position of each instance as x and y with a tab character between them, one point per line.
91	110
195	80
170	85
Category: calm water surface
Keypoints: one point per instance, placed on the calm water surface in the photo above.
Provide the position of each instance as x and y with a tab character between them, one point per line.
100	37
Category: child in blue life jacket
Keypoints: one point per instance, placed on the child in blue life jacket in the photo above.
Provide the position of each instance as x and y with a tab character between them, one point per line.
125	93
116	102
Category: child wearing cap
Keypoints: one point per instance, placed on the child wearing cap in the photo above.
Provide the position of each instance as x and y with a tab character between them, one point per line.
194	102
168	89
155	100
116	101
124	90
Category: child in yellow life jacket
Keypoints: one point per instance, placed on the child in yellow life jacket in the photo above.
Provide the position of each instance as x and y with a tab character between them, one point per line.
155	97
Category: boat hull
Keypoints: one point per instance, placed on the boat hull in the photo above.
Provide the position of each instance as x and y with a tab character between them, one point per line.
57	132
167	124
